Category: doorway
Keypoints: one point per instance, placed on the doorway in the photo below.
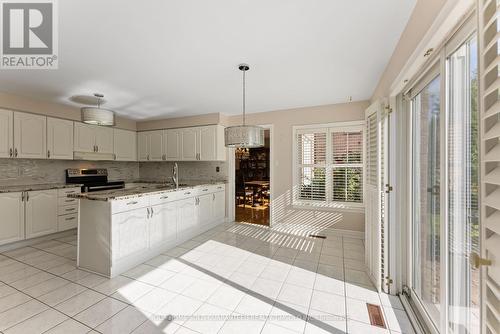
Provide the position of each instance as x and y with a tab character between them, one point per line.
253	183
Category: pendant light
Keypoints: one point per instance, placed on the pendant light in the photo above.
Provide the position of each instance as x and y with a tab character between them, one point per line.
98	115
244	136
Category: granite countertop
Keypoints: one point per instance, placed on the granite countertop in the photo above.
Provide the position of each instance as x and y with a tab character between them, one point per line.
35	187
141	188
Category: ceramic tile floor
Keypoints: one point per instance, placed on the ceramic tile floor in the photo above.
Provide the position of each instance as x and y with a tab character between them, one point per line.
235	278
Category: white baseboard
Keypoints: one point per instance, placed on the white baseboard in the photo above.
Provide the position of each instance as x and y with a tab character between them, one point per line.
29	242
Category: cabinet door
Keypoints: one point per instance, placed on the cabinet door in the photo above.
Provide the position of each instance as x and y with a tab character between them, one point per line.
12	209
103	139
189	144
59	139
125	145
171	144
84	137
156	145
6	133
30	136
219	205
130	233
162	224
186	215
143	146
208	143
205	209
41	213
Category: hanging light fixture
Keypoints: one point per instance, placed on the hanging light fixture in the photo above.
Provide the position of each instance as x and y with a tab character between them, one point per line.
246	136
98	115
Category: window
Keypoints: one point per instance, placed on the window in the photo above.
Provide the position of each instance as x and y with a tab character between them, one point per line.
329	165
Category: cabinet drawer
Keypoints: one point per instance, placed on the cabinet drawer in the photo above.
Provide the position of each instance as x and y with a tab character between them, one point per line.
129	204
64	210
164	198
63	201
67	222
66	191
187	193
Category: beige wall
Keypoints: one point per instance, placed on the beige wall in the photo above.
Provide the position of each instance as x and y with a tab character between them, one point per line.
21	103
421	19
282	147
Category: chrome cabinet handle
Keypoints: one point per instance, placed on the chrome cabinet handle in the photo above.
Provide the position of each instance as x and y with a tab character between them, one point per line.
132	203
187	193
69	200
27	196
70	209
213	197
11	152
48	153
205	190
164	197
152	212
148	156
148	212
70	218
97	148
22	196
15	153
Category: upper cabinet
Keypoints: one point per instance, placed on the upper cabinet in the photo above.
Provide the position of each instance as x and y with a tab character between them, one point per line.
172	144
150	145
59	139
93	139
204	143
125	145
6	133
190	144
30	136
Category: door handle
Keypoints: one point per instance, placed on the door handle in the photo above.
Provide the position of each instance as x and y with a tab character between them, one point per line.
477	261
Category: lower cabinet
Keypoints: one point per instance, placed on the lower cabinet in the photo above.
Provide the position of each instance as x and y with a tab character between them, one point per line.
130	233
41	213
12	209
162	224
116	236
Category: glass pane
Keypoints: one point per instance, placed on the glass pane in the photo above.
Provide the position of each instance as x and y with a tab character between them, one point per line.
426	198
463	179
347	184
312	148
312	184
347	147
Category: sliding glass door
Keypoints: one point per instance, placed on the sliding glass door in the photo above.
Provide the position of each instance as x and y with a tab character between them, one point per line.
426	200
444	178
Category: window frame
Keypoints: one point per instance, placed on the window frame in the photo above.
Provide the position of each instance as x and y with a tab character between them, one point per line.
328	203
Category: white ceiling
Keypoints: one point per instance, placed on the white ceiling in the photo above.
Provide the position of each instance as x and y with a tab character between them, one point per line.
169	58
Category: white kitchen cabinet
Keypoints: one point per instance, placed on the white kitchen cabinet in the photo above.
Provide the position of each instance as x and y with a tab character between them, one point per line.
130	233
6	133
205	209
41	213
172	144
93	138
125	145
187	215
219	199
30	136
189	144
103	139
162	224
151	145
208	143
12	209
59	139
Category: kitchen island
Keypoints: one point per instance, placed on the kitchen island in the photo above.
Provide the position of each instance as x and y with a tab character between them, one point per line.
119	229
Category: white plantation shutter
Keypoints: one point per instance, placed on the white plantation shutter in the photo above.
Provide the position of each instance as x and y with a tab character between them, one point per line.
489	46
329	165
372	150
347	166
311	156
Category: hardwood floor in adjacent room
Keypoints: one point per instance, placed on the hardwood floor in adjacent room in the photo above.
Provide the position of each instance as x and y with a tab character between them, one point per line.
254	215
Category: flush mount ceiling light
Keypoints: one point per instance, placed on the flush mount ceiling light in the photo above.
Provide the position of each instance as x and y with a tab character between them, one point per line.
244	135
98	115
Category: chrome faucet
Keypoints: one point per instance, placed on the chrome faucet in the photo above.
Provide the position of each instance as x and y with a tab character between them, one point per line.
175	177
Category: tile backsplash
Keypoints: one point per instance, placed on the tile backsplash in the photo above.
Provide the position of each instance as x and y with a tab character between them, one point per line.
33	171
188	170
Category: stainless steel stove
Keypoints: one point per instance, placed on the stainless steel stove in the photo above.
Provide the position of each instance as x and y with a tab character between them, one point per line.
92	179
